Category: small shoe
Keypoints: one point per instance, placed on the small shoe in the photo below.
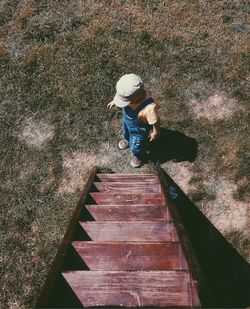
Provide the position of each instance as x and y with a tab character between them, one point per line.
123	144
135	162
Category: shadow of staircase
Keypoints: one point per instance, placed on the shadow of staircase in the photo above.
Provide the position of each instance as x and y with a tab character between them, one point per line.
226	272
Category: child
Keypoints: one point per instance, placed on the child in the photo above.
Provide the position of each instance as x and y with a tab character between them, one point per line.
141	123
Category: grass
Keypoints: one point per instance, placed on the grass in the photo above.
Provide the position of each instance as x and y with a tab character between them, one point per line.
59	62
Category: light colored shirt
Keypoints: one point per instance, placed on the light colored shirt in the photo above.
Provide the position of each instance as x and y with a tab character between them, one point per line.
149	114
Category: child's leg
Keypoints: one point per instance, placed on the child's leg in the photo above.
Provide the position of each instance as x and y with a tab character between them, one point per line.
138	145
125	130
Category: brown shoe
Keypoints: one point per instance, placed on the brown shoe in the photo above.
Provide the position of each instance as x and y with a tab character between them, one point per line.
123	144
135	162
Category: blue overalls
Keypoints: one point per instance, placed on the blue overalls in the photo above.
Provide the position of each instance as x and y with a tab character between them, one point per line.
135	131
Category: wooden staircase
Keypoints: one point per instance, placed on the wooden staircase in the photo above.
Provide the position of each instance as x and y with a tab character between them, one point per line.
125	247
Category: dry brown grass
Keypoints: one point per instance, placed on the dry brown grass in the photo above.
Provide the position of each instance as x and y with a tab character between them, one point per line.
35	133
59	62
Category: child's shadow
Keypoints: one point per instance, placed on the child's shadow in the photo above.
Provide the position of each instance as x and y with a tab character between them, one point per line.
173	145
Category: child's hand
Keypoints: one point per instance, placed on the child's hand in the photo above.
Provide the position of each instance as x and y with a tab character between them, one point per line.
110	105
153	136
156	131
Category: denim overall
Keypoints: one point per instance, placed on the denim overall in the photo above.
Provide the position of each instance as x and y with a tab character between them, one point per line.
135	131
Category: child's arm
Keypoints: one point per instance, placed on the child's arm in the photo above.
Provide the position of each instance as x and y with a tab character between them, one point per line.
156	131
110	105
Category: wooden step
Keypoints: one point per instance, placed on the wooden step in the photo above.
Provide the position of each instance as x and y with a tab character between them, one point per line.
128	178
128	199
153	231
126	252
133	289
132	187
129	213
131	256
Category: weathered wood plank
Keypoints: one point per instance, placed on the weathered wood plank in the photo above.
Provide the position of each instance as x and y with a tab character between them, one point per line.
131	187
130	256
127	199
131	289
155	231
135	257
145	178
129	213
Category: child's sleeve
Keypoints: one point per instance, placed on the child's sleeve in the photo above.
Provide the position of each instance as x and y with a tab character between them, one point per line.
151	113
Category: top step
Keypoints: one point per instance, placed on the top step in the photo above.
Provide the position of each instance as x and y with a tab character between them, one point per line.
146	178
129	187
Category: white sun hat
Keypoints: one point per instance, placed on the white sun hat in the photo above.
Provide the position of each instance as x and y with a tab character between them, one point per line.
128	87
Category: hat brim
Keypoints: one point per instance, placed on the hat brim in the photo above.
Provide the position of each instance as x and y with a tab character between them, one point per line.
120	101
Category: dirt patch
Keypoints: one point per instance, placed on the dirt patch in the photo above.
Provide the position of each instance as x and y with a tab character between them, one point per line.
182	174
230	157
14	304
75	169
225	212
36	133
215	107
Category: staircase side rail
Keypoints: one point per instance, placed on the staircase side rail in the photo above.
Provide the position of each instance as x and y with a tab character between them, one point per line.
58	262
201	285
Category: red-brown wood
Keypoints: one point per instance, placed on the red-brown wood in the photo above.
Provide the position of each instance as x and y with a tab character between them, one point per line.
128	178
130	256
50	284
130	231
132	289
129	213
131	248
128	199
128	187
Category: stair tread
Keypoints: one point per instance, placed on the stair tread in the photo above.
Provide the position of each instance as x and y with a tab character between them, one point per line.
131	255
133	288
129	177
128	198
129	212
126	252
130	231
131	187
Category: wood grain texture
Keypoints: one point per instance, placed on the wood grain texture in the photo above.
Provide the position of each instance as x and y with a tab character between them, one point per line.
128	199
131	256
57	265
153	231
132	289
129	213
127	178
128	187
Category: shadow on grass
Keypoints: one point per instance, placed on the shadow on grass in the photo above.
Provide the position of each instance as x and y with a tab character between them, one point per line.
226	272
173	145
